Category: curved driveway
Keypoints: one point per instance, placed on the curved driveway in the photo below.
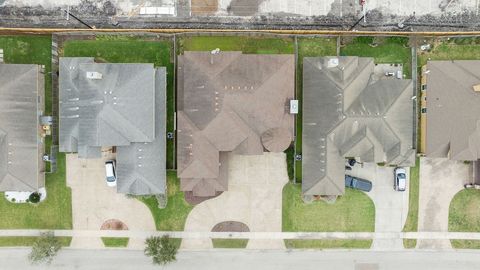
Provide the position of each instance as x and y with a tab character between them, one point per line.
93	202
441	179
254	197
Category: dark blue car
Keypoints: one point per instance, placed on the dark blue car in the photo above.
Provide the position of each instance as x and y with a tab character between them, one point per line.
358	183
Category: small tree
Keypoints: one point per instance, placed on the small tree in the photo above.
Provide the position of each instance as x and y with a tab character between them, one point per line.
44	249
34	197
161	249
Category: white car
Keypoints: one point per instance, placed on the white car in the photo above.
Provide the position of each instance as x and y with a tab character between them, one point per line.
111	176
400	179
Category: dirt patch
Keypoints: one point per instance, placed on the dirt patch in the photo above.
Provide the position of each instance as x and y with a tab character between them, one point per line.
194	200
114	224
204	7
230	226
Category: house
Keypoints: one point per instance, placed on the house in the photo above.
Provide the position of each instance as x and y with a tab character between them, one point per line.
21	143
453	109
351	112
229	102
121	105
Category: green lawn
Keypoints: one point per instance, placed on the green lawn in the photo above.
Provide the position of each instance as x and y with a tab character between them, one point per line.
308	47
128	49
229	243
411	225
172	217
388	50
451	50
251	45
115	241
464	216
327	244
353	212
27	241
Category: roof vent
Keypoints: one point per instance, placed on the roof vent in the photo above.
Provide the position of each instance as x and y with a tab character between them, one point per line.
332	62
476	88
93	75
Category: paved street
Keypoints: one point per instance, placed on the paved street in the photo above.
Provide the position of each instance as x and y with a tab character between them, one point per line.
67	259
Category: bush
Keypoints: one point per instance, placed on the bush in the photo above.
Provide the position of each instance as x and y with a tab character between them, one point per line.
44	249
162	249
290	152
34	197
162	200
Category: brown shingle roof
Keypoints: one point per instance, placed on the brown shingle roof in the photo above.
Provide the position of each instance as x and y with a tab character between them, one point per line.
226	101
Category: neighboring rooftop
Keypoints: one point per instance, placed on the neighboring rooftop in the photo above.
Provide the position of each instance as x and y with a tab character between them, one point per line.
229	102
348	111
21	147
453	109
122	105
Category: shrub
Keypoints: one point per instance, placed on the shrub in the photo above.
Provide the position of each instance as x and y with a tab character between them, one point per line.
34	197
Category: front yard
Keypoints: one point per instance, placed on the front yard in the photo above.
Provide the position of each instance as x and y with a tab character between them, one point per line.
172	217
411	225
352	212
464	216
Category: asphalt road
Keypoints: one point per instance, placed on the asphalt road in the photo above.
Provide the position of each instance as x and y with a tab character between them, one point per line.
251	259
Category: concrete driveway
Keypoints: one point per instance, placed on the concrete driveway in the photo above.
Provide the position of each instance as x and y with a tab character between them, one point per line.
93	202
391	207
254	197
440	180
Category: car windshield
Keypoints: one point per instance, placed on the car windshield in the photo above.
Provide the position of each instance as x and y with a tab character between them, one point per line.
401	175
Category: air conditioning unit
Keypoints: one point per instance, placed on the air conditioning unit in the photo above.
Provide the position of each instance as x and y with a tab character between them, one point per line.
294	106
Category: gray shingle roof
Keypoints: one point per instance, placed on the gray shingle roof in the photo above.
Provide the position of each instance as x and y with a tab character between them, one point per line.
349	112
141	166
453	109
112	111
123	108
21	149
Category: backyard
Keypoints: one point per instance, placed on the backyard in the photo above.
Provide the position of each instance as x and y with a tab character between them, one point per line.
383	49
464	216
451	49
352	212
245	44
132	49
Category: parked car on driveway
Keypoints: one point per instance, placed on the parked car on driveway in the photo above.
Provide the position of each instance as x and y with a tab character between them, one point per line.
110	173
400	179
358	183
